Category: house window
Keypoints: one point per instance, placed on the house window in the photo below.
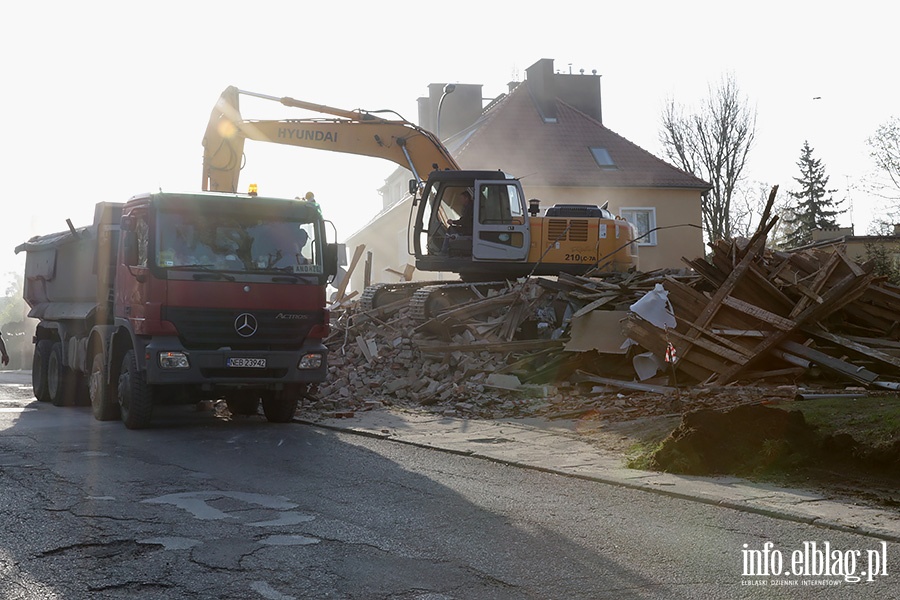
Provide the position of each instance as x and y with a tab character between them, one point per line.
644	220
601	155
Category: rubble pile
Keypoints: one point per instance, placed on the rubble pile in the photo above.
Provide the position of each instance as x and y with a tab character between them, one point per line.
518	352
745	325
764	315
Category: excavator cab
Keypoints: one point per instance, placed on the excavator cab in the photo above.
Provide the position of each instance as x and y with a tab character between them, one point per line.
465	217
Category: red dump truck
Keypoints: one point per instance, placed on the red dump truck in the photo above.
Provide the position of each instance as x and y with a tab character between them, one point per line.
176	298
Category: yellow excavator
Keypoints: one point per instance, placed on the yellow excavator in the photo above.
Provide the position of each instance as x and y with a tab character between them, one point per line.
475	223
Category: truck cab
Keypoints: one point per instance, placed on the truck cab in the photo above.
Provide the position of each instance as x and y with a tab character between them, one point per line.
192	296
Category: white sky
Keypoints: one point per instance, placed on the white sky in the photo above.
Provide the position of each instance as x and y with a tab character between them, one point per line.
102	100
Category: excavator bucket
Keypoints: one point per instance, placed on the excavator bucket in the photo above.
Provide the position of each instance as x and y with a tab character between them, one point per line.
223	145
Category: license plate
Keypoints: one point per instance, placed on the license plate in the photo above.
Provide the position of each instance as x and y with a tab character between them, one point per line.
246	363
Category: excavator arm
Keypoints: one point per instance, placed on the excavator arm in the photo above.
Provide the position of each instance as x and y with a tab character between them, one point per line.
352	132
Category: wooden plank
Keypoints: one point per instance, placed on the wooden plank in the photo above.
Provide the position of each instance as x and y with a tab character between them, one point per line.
767	293
883	294
727	350
706	316
794	372
698	365
852	265
759	313
466	311
346	281
811	293
875	318
845	342
593	305
517	346
846	291
376	314
887	315
874	342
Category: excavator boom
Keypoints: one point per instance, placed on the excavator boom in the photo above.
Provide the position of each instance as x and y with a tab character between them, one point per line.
475	223
352	132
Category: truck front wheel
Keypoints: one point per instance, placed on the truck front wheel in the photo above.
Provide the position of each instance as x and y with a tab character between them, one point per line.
135	397
103	400
279	407
39	370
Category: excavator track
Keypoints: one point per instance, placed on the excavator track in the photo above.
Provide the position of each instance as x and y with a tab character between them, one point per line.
379	295
426	299
431	300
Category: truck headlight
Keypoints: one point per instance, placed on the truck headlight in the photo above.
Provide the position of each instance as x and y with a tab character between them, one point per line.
174	360
310	361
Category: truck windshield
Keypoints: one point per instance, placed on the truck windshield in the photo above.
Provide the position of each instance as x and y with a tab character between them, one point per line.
237	242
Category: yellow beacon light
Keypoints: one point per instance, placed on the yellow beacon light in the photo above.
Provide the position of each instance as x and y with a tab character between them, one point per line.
253	189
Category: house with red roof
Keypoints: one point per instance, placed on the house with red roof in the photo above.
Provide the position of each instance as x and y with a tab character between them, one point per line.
547	131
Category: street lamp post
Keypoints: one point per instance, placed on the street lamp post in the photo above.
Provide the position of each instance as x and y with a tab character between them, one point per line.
448	89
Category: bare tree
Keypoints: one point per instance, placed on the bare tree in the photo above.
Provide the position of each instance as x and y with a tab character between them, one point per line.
884	148
712	144
747	212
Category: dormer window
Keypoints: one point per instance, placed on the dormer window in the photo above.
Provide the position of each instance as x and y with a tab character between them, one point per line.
601	155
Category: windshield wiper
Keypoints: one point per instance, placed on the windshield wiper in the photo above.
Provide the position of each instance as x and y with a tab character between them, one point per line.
213	275
208	272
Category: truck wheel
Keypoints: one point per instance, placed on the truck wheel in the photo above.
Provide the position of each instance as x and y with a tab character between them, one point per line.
65	386
135	397
243	402
56	376
39	370
103	400
279	407
82	393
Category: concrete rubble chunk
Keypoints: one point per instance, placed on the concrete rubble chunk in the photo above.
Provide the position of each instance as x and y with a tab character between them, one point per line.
508	382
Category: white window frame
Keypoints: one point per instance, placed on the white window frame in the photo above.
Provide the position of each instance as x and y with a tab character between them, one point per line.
629	213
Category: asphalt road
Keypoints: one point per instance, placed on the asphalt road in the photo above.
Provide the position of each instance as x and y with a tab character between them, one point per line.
199	506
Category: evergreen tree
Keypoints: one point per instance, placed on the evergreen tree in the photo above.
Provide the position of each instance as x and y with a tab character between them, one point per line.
814	206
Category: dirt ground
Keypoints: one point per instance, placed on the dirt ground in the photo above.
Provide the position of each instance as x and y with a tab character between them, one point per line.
758	442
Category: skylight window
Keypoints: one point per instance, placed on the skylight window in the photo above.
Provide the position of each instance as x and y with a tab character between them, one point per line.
601	155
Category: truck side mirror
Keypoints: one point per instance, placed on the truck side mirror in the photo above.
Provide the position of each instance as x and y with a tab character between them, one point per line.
413	187
331	259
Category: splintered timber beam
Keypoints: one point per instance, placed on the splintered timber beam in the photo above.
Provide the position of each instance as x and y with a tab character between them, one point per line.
346	280
709	312
847	343
760	314
811	292
844	292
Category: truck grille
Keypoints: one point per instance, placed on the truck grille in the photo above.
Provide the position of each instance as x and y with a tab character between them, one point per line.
208	329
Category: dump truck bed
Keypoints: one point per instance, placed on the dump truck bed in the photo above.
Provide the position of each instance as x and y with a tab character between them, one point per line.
61	269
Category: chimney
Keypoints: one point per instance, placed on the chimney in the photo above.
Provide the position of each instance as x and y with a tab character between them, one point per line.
461	108
580	91
540	84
